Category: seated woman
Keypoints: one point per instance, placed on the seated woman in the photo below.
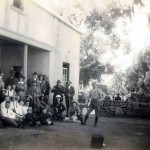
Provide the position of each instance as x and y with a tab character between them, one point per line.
26	107
30	100
13	89
19	109
45	118
59	109
75	112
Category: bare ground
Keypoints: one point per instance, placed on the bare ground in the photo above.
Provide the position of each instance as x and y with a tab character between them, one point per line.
119	133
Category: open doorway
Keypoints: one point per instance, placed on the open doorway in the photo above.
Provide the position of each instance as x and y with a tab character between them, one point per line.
18	71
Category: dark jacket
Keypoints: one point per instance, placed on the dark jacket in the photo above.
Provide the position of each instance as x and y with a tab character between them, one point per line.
30	118
70	91
60	108
31	91
29	82
2	97
11	81
58	91
45	87
43	117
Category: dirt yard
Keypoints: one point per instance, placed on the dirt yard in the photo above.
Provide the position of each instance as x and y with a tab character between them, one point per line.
119	133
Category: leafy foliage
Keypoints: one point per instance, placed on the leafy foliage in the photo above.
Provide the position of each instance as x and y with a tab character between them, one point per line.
94	45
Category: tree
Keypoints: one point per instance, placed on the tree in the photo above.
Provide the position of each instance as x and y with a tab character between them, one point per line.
118	86
100	38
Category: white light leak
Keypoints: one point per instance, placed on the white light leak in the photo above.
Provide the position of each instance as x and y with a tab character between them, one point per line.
122	62
140	33
107	80
139	38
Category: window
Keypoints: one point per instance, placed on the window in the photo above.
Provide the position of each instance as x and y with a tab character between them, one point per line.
18	4
65	77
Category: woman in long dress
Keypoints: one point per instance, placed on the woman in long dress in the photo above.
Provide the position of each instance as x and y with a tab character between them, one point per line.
21	88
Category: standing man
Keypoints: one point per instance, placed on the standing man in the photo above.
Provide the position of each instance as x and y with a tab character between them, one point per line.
95	95
58	89
47	87
69	93
35	92
34	78
41	85
11	80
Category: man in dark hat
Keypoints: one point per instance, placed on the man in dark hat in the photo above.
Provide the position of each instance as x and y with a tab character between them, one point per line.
58	89
69	93
118	98
33	78
11	80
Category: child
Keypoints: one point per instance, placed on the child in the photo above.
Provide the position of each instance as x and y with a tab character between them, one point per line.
30	119
45	118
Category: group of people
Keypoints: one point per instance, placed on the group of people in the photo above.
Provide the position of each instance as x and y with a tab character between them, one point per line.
27	102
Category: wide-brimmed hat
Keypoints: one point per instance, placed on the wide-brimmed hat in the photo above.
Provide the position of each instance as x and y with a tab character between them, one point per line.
35	73
117	94
58	81
74	102
58	96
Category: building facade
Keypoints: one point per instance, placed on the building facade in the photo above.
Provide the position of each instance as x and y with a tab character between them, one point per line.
33	38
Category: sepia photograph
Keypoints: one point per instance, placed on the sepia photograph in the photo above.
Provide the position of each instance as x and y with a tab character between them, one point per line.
74	74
